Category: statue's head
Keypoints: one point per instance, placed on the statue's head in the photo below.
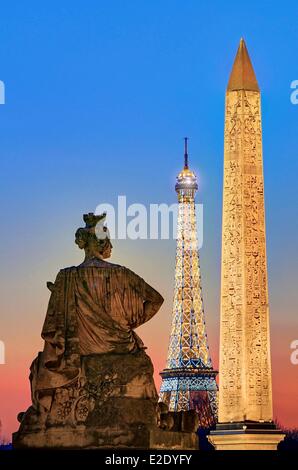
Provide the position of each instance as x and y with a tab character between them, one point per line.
94	237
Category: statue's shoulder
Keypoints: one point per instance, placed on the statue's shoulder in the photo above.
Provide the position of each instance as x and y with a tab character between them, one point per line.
67	270
133	279
97	263
102	265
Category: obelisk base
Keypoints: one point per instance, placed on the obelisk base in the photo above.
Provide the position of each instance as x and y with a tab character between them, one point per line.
246	435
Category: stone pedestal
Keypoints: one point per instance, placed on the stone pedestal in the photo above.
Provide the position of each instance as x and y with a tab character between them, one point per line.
112	404
246	436
175	440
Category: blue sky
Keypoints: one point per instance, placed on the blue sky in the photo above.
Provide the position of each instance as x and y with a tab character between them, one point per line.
100	94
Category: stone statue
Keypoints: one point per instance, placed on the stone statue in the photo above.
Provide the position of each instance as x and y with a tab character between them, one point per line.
92	385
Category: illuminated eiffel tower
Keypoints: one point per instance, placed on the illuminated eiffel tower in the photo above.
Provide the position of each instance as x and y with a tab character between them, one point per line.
188	382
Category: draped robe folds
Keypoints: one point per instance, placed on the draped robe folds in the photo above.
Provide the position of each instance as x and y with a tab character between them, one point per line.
92	310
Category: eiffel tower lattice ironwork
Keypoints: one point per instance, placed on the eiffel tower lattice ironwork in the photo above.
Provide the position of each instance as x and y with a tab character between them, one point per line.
189	380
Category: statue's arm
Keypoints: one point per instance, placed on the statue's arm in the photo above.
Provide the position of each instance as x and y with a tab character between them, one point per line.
152	301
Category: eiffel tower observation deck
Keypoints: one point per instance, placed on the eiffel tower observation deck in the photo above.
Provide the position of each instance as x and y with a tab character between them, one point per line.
188	381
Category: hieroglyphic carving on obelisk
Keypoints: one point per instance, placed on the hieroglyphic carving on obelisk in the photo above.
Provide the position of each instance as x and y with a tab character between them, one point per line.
245	391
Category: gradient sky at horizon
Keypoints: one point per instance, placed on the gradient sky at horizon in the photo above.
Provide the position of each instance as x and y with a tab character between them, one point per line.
99	96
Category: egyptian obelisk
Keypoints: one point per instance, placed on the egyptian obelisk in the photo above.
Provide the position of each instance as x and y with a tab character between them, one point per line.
245	388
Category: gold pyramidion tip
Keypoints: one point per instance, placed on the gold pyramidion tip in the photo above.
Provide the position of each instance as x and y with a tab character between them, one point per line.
242	76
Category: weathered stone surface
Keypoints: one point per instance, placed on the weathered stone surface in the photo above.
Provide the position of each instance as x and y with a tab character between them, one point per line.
182	421
173	440
113	403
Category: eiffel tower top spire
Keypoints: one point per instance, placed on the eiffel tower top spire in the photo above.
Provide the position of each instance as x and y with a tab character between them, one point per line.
185	153
242	76
186	180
